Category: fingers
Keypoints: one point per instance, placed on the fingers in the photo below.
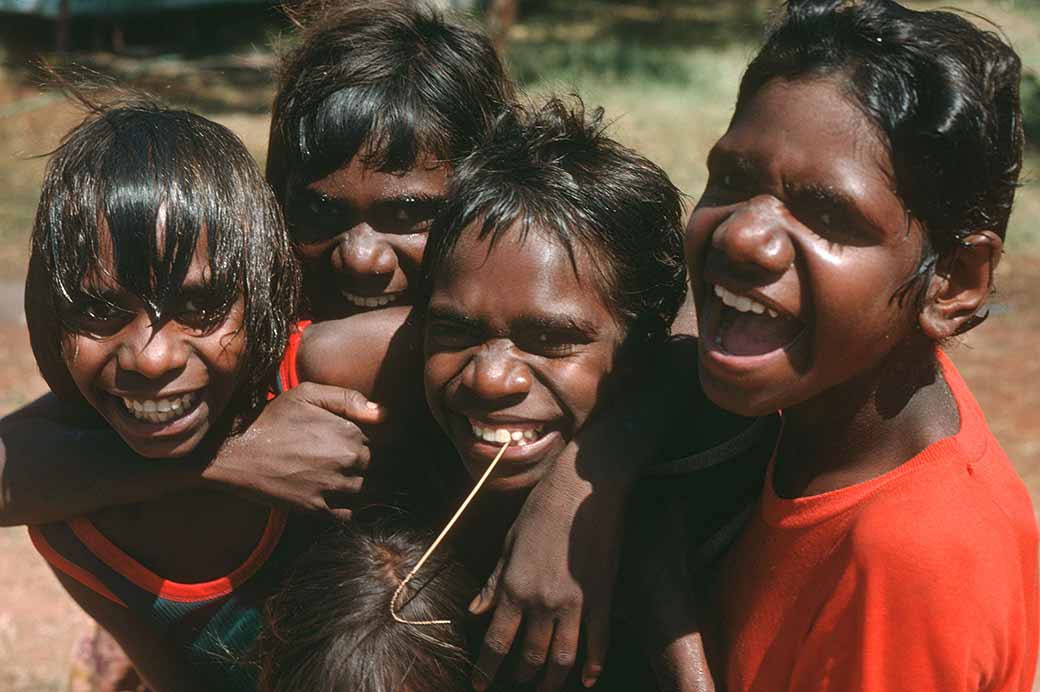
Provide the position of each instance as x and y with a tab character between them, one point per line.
341	514
482	602
562	654
497	642
538	634
597	641
346	403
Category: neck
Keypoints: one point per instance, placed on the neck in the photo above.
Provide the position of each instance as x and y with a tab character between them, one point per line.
866	426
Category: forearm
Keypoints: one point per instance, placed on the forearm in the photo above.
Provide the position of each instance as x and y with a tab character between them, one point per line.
51	470
681	665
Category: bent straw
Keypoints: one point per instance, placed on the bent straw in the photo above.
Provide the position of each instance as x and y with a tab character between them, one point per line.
437	542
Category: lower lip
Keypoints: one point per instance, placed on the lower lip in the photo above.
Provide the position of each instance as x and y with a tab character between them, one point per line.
722	362
177	427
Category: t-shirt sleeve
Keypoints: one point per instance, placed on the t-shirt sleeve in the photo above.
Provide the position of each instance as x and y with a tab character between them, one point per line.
946	607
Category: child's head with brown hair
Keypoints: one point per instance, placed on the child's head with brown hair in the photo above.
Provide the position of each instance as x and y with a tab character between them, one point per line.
857	205
375	102
330	628
162	285
556	261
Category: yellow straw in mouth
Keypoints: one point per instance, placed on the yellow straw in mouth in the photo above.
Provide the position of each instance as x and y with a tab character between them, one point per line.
437	542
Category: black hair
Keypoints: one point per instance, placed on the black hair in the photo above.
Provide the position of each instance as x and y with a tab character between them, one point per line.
330	627
943	94
389	81
129	194
554	170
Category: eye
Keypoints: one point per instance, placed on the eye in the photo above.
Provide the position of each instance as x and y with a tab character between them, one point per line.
552	343
196	313
314	217
450	336
406	215
98	317
725	187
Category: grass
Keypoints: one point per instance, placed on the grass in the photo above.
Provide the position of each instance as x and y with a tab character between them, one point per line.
667	75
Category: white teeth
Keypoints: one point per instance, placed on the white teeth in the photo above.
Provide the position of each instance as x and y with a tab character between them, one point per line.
743	303
160	410
503	435
369	301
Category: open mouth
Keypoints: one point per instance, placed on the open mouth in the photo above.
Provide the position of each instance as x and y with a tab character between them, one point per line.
748	327
164	410
521	437
379	301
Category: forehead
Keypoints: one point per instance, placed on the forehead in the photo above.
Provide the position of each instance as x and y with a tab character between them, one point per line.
520	274
362	184
807	130
103	272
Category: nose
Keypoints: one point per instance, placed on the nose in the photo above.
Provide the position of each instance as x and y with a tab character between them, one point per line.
152	350
494	374
755	237
361	252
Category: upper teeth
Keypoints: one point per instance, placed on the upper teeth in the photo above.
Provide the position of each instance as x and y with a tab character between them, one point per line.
743	303
503	435
370	301
160	410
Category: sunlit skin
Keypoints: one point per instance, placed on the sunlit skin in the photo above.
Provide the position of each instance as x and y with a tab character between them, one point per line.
361	234
800	215
123	353
516	340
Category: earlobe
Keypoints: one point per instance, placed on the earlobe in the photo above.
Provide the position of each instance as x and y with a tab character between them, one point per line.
961	284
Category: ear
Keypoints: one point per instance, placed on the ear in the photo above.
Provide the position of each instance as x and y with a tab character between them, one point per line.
960	286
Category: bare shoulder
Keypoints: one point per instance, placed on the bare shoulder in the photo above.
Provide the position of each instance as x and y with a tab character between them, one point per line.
153	657
363	352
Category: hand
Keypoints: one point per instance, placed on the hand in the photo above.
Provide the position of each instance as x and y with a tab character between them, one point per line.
555	575
305	451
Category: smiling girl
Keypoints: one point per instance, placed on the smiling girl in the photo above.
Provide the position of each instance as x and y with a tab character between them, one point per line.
853	218
159	269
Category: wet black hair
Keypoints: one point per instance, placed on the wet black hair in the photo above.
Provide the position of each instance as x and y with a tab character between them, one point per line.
391	81
554	170
943	94
330	628
128	195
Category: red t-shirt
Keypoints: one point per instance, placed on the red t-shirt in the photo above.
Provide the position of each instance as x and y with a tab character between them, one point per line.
922	579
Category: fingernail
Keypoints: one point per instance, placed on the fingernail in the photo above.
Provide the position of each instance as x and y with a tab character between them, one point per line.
473	605
589	679
372	405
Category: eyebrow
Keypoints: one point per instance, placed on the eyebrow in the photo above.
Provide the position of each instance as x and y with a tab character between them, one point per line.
555	322
833	197
721	157
524	323
450	315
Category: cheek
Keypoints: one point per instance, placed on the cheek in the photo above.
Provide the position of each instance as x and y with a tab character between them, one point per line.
580	384
701	225
440	371
224	350
84	357
409	250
